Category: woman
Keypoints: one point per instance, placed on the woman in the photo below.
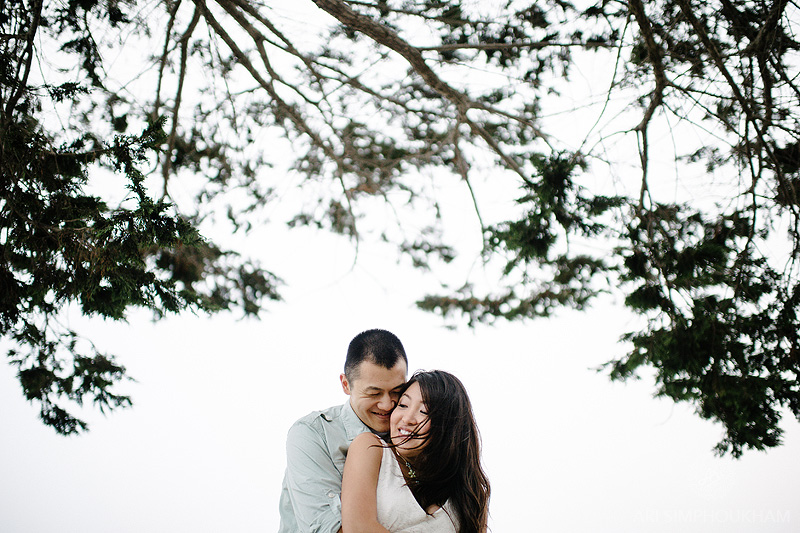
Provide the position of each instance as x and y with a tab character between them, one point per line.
428	479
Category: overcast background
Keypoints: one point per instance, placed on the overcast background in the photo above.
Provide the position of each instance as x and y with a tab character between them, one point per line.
202	448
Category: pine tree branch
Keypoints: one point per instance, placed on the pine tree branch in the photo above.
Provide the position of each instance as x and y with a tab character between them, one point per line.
719	63
386	36
284	107
27	62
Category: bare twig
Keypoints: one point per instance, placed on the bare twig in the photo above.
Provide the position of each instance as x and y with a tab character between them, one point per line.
173	134
162	64
655	55
463	170
536	45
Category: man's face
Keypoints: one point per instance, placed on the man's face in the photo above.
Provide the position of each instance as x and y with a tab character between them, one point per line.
374	392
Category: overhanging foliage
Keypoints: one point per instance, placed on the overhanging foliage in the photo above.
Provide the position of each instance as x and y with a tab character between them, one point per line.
379	94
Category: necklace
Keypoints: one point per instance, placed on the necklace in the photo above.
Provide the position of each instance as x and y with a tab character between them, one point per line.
411	473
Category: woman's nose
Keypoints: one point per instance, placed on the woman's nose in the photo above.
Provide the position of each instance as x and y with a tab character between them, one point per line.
410	419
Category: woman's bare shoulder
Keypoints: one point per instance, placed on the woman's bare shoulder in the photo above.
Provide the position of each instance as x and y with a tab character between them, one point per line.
364	457
365	441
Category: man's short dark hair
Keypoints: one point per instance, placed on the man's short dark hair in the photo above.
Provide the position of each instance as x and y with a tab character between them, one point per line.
377	346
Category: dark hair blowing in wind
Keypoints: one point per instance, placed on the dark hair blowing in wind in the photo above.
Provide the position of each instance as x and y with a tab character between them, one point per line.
449	465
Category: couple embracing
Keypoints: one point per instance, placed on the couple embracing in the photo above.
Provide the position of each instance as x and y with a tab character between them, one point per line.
399	456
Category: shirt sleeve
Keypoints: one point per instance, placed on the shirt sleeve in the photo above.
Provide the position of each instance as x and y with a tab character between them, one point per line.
313	482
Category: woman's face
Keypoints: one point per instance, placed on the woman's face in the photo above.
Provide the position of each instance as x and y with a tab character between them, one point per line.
410	417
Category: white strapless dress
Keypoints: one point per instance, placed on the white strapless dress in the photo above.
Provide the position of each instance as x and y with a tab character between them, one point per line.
398	510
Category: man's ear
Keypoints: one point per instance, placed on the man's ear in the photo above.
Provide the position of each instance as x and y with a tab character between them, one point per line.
345	384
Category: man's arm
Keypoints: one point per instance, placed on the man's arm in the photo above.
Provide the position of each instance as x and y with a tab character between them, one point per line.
313	482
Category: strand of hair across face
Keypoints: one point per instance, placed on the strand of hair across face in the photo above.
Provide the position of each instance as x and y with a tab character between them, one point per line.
450	467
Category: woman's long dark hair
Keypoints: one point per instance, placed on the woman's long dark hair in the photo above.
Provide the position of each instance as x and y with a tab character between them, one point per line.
449	465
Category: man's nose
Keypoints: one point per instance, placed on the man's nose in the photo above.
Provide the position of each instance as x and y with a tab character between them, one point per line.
386	403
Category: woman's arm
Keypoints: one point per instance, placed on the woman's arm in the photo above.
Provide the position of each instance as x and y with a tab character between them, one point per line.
360	485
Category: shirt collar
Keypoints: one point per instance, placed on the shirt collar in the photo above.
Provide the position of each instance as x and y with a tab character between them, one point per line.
353	425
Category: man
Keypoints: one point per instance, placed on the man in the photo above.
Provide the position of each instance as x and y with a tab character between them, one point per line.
316	447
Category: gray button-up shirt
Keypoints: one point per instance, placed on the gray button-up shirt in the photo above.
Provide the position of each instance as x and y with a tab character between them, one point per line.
316	448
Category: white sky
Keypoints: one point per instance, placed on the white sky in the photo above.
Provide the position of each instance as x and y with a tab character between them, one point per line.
202	448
